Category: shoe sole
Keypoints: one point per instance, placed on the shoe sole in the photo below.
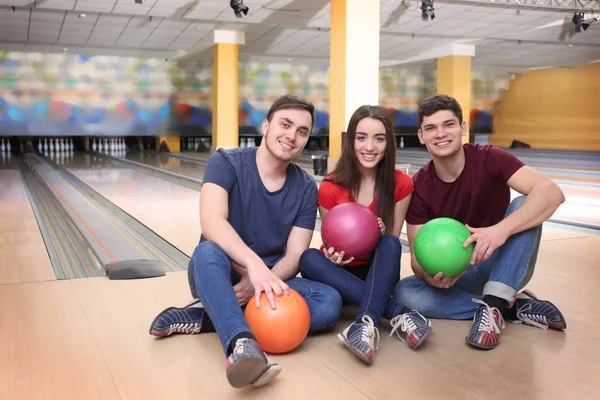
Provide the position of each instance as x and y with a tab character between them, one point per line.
251	371
356	352
480	346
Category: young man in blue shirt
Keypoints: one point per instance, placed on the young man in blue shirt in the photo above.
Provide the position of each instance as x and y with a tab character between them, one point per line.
257	212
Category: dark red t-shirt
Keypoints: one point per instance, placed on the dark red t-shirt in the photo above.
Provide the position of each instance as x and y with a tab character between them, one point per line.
479	197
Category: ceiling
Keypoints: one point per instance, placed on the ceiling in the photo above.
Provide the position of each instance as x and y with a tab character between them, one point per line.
506	38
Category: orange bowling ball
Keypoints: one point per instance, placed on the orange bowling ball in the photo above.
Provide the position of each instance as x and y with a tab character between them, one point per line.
283	329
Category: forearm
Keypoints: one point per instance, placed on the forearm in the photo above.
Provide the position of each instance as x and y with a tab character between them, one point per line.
538	206
220	231
287	267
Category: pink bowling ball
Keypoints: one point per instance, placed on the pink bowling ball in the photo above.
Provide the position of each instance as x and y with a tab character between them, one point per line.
351	228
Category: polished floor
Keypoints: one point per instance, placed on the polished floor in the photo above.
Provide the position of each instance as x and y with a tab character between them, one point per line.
88	338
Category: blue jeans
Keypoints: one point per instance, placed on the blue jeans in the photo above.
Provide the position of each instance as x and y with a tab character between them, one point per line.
370	287
507	271
212	278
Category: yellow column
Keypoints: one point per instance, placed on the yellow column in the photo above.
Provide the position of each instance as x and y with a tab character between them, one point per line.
354	65
225	89
454	79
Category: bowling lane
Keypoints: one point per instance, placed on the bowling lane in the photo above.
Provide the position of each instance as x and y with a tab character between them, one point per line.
169	210
168	163
23	255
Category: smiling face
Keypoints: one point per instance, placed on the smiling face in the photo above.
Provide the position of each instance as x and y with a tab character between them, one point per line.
287	133
442	133
369	143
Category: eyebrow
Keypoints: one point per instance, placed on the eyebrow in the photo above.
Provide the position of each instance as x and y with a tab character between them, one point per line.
377	134
446	121
292	122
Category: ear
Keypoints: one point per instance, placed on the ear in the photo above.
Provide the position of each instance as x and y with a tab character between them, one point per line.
265	127
420	135
463	126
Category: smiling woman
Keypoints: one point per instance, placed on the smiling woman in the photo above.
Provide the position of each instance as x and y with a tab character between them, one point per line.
366	174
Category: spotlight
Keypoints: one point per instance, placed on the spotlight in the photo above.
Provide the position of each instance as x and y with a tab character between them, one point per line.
238	8
579	21
138	1
427	10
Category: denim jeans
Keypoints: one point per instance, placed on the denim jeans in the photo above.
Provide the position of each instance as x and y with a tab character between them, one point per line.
369	287
212	278
507	271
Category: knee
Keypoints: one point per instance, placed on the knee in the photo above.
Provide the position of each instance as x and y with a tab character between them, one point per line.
328	310
390	243
515	204
209	251
411	292
309	259
324	302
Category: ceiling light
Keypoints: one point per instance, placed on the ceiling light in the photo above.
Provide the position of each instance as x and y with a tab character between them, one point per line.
427	10
238	8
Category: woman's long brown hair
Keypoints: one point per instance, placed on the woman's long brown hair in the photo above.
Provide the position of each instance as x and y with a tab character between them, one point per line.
347	173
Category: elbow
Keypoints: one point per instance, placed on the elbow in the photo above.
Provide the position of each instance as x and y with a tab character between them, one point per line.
559	195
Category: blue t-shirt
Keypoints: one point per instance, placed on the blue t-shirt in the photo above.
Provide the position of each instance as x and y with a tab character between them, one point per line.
263	219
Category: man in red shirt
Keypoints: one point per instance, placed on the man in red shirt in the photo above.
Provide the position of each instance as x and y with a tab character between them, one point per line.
471	183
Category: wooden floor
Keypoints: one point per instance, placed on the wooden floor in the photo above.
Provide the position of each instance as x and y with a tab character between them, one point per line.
88	338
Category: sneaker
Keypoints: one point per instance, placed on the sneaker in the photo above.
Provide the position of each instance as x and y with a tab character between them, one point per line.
538	313
249	365
362	339
413	325
485	332
186	320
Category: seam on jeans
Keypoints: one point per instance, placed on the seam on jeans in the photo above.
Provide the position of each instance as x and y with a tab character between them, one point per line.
538	234
373	264
310	289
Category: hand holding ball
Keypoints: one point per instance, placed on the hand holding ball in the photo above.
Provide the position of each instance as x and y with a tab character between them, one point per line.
351	228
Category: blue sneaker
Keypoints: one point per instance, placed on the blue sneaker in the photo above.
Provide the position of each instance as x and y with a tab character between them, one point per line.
249	365
362	338
414	328
185	320
538	313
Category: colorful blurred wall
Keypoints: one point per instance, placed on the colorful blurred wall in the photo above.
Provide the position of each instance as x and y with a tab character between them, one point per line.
68	95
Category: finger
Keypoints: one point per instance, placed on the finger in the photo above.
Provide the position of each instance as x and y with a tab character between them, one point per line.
469	240
475	252
471	229
488	253
285	288
348	261
330	251
257	293
481	253
341	257
276	288
271	299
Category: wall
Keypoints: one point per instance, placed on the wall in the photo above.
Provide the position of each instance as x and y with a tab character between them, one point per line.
67	95
555	108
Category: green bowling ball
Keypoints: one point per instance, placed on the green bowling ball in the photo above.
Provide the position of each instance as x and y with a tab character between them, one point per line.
439	247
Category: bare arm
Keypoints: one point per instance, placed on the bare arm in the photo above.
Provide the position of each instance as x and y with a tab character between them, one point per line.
543	198
214	211
298	241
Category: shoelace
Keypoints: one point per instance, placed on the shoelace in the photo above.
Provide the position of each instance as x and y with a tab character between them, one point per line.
368	332
537	320
186	327
488	322
404	322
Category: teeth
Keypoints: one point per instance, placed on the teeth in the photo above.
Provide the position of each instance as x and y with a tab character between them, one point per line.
369	156
443	143
286	145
